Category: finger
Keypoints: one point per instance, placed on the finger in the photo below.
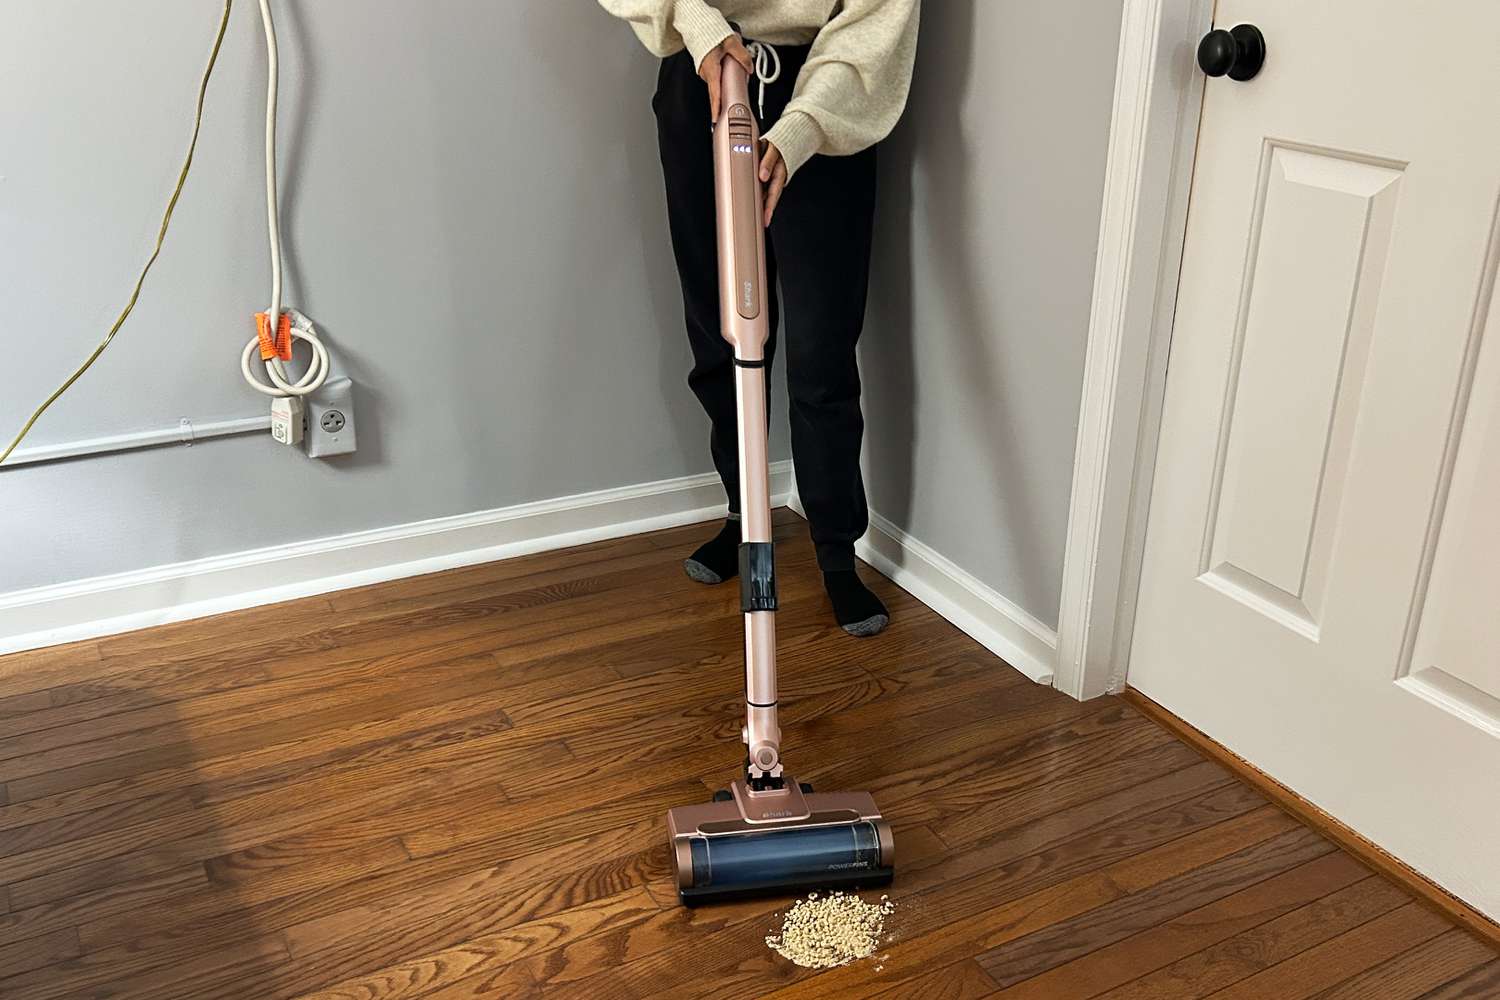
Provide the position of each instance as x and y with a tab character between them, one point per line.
709	67
769	162
773	194
736	49
708	70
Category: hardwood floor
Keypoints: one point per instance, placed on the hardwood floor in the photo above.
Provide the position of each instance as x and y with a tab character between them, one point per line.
454	786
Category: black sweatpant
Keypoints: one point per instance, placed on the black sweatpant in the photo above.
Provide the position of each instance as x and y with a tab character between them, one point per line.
819	247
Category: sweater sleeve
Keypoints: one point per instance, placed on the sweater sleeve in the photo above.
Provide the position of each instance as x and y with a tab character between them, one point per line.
668	26
854	85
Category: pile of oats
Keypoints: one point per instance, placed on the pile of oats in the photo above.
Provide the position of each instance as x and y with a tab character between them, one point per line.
828	931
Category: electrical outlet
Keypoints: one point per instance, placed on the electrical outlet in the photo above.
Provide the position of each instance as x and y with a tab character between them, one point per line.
330	419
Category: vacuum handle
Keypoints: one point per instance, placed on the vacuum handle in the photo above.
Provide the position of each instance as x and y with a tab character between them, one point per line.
747	213
741	210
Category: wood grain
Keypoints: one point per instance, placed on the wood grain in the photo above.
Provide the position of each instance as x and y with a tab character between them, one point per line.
1477	984
1393	868
1416	970
1250	951
1098	966
453	786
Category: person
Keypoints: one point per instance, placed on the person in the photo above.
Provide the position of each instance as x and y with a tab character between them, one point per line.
831	78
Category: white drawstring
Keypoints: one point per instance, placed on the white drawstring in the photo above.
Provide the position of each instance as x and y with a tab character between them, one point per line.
767	68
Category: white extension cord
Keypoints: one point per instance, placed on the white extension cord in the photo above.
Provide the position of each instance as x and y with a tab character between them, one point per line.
278	382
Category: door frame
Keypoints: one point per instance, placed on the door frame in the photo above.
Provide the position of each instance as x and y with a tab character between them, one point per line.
1148	176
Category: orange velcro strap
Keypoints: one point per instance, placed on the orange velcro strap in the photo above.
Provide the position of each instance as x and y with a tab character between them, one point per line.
281	345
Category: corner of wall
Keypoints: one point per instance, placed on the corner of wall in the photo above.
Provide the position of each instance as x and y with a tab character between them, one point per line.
990	618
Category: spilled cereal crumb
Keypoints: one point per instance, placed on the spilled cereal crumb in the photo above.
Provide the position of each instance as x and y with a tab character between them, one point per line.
829	931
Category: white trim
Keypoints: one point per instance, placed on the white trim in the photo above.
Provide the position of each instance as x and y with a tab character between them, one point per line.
183	432
987	616
104	605
1153	137
990	618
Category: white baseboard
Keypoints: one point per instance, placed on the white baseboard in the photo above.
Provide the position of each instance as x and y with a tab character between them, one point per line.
122	602
991	619
105	605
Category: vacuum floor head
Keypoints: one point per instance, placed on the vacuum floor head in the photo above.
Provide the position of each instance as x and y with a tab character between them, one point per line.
778	840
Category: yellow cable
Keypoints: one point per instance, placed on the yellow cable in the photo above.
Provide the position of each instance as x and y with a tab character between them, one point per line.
160	238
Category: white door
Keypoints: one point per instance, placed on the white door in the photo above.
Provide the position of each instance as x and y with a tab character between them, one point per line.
1321	589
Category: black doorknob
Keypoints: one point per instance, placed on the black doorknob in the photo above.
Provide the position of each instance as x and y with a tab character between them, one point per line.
1238	53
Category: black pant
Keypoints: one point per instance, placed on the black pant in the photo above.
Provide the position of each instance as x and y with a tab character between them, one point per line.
819	245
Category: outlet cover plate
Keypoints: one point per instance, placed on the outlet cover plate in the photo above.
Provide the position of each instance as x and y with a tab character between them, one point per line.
330	419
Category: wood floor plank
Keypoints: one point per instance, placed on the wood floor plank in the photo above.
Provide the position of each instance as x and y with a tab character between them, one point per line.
453	786
23	955
1097	772
126	899
965	981
262	686
38	669
20	838
1327	964
1416	970
1102	965
450	926
245	822
276	904
262	627
1064	941
1479	983
1261	947
259	960
421	975
118	973
173	743
407	738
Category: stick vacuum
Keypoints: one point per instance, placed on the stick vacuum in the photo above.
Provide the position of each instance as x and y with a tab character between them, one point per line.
767	833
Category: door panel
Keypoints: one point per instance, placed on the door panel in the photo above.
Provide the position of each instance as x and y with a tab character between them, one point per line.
1321	583
1455	662
1319	241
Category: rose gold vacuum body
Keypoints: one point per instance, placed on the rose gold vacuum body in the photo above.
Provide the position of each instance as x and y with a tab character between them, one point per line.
767	833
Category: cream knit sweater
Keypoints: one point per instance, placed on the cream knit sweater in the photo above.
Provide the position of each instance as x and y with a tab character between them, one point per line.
853	86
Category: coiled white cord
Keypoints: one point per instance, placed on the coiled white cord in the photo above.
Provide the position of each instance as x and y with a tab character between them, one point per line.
767	68
316	374
281	383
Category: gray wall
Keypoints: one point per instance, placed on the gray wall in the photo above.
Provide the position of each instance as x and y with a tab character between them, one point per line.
473	215
973	358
